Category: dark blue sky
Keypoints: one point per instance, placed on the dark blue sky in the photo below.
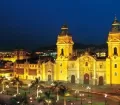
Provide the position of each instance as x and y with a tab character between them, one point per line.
36	23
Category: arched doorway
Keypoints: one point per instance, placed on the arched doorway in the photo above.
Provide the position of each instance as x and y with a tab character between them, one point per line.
26	77
49	77
101	80
86	78
73	79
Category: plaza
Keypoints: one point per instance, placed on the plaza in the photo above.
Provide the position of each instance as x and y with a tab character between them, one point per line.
57	93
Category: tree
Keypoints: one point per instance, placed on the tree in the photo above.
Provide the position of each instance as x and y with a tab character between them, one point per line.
16	81
21	99
56	86
35	83
24	99
3	81
63	91
47	98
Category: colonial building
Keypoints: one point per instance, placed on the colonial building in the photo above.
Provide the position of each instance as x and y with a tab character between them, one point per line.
15	55
83	69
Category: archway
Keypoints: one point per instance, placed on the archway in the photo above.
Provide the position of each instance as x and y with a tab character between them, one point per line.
86	78
26	77
73	79
49	77
101	80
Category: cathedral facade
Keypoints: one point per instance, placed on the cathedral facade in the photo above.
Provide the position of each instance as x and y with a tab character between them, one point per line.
84	69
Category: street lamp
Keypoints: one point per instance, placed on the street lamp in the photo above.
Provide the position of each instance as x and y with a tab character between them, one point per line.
81	95
37	90
29	87
31	99
7	86
76	93
40	91
105	95
88	88
48	101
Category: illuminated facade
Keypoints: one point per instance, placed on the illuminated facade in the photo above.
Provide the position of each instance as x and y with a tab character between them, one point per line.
84	69
113	59
13	56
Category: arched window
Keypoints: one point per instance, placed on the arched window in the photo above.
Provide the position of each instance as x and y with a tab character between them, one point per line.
115	51
86	63
115	66
115	73
62	52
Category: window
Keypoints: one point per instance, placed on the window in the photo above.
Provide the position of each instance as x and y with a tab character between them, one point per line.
115	51
100	66
62	52
86	63
61	64
115	73
115	66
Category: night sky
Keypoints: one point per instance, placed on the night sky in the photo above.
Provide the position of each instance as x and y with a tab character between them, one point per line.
35	23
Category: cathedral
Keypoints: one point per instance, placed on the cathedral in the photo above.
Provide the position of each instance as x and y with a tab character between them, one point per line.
84	69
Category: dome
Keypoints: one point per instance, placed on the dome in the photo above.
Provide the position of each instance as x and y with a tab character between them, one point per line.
115	21
64	30
115	25
64	27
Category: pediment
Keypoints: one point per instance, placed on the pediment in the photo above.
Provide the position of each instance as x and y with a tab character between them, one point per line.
114	40
86	58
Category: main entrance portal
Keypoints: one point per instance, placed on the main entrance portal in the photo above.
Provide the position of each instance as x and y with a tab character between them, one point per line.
86	78
72	79
100	80
49	77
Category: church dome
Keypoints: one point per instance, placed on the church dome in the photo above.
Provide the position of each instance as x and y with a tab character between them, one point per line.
115	21
115	25
64	30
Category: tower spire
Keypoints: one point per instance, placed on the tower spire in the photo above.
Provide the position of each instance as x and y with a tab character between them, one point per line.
64	30
115	25
115	17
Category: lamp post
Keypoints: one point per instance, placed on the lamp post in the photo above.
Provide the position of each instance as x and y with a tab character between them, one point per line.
29	87
7	86
48	101
88	88
105	95
76	93
31	99
40	91
57	95
81	96
37	90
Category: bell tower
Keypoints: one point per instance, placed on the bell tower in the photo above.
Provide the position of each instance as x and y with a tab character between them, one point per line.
113	59
64	51
114	39
64	43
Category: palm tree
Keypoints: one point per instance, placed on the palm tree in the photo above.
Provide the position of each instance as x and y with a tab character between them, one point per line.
35	83
16	81
3	81
47	97
24	99
56	86
63	91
